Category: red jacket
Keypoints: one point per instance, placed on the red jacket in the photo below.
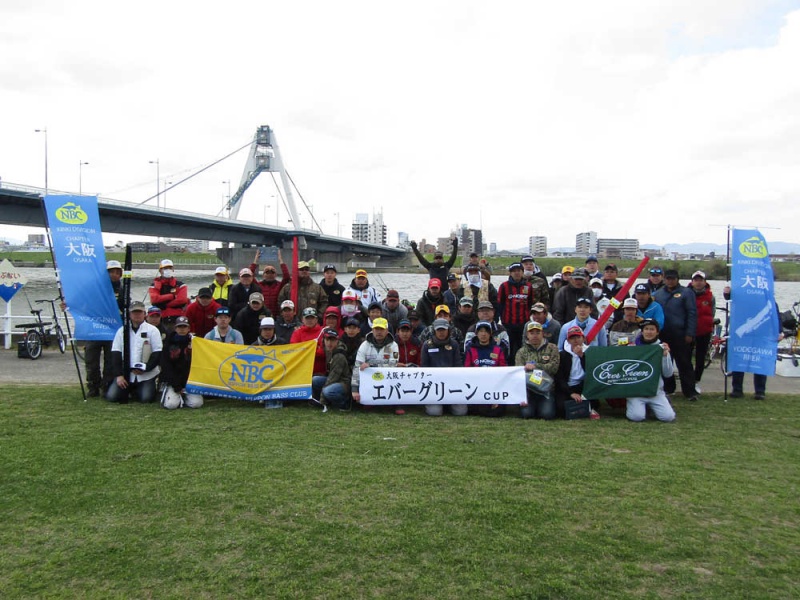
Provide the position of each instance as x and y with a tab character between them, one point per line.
706	304
271	289
303	334
201	318
170	295
409	352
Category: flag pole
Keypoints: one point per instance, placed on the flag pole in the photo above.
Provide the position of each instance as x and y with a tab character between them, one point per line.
616	301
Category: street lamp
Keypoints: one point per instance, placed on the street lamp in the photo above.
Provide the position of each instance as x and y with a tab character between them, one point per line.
166	186
44	131
158	181
80	176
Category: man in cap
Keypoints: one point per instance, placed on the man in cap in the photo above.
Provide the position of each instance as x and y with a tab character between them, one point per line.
706	307
222	331
592	267
154	318
266	333
656	279
556	282
431	298
584	321
550	327
624	331
438	269
532	274
169	294
636	408
248	319
98	380
310	330
648	308
309	293
377	350
408	345
201	312
514	299
499	333
484	268
144	352
331	286
286	322
239	296
221	286
270	285
478	287
176	362
443	314
567	297
441	351
680	324
333	387
393	310
454	291
612	287
365	293
538	354
571	375
465	317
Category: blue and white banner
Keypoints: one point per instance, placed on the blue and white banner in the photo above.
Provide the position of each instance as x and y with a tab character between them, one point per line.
753	341
81	260
444	385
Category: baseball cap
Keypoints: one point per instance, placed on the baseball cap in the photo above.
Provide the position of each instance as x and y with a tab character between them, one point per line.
610	267
596	280
303	264
567	269
113	264
413	314
698	274
656	271
361	273
465	301
245	271
514	265
165	263
472	267
221	271
484	324
330	333
204	293
392	294
539	307
309	311
527	258
404	323
287	304
451	277
330	267
641	288
557	277
267	322
583	301
630	303
573	331
434	282
137	306
181	321
374	305
380	323
670	273
473	255
441	324
579	274
534	325
351	321
438	254
256	297
646	322
442	307
349	294
485	304
223	310
153	310
590	259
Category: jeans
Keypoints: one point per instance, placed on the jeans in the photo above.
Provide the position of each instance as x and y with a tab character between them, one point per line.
682	353
636	408
539	407
97	378
759	382
701	343
437	410
143	391
334	394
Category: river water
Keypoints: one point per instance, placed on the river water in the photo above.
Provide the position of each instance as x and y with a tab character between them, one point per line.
42	284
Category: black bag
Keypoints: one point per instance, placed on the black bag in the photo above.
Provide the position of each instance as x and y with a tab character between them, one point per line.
576	410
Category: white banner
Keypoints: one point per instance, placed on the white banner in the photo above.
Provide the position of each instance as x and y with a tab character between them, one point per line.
451	385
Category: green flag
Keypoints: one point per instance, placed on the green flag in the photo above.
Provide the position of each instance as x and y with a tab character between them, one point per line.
622	371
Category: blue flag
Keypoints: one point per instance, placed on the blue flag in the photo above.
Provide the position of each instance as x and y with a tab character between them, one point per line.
81	260
753	341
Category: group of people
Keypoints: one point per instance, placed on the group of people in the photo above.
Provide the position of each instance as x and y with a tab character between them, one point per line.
459	320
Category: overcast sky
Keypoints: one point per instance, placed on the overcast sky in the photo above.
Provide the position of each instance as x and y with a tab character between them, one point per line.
630	118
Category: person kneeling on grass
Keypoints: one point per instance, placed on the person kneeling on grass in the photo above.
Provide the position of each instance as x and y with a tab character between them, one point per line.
176	362
334	387
659	404
144	350
537	354
570	378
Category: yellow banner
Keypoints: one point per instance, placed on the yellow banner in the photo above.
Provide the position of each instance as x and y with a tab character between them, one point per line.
252	372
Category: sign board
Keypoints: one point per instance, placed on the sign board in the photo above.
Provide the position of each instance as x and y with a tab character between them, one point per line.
11	280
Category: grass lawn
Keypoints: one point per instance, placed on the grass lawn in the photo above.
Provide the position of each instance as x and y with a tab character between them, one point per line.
234	501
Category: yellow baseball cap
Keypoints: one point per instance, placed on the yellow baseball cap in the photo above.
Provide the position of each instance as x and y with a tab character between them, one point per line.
380	323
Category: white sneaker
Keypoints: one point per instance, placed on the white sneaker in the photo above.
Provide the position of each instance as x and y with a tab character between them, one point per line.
697	389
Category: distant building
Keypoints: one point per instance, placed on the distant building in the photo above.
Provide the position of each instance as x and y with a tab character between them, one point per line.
371	233
145	247
35	239
618	248
402	240
493	248
537	245
586	243
191	245
470	240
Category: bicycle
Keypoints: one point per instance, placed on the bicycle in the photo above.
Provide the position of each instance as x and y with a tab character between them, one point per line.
790	327
718	345
41	332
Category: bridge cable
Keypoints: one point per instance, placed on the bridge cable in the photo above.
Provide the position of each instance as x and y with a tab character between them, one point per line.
304	201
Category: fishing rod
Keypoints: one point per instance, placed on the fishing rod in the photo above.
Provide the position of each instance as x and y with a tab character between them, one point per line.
127	275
